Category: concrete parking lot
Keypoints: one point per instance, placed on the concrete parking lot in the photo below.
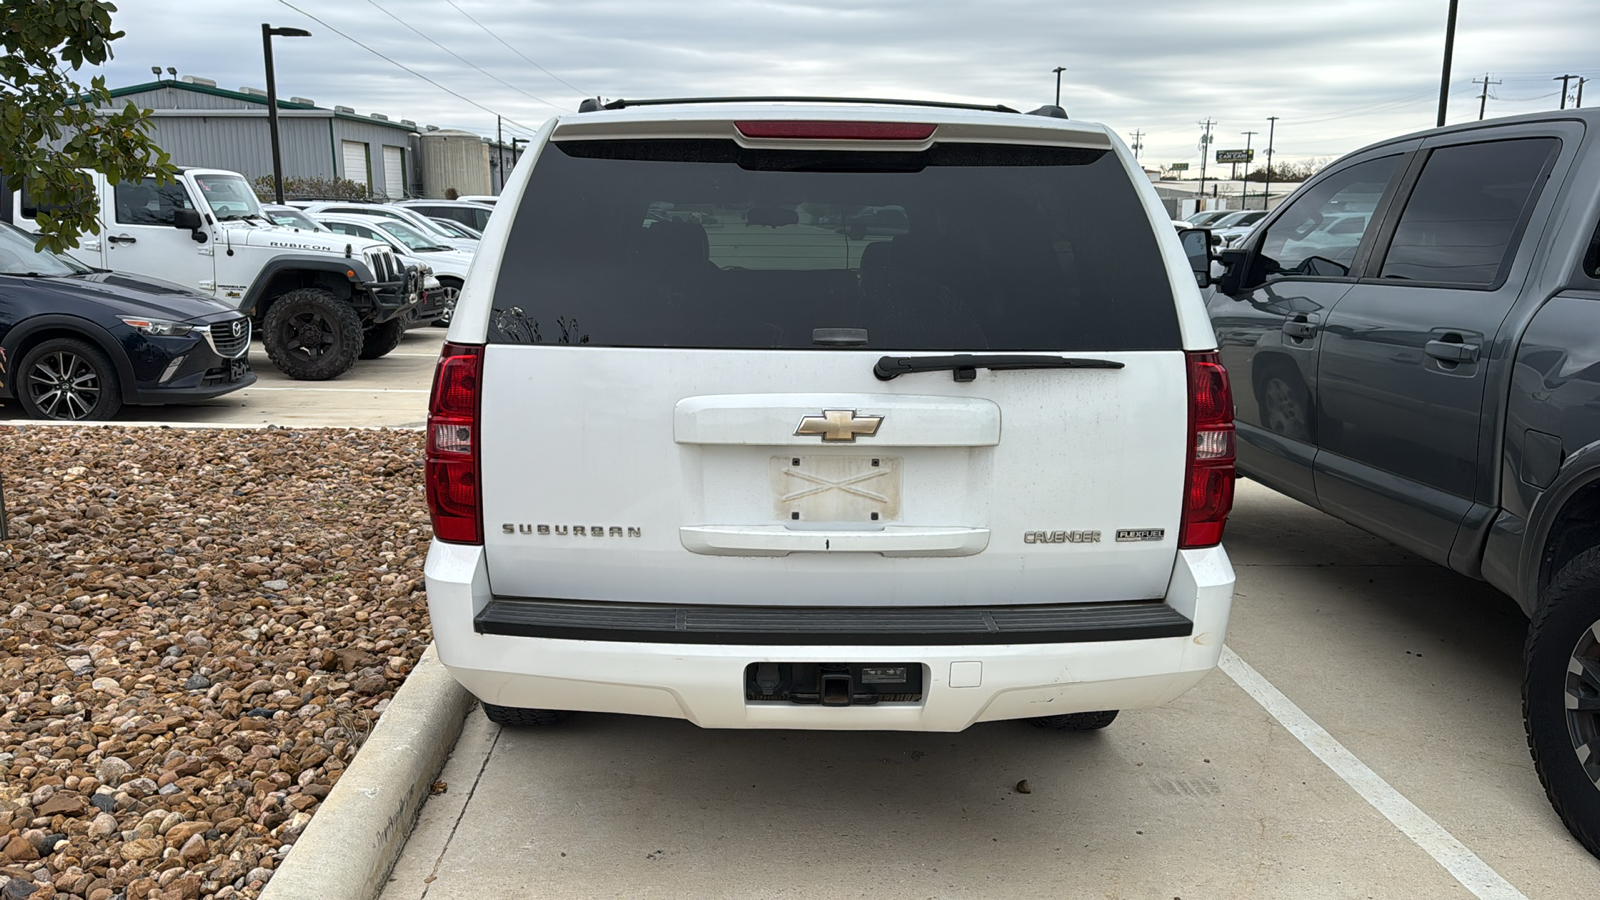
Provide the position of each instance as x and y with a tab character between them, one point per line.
1414	670
389	392
1365	741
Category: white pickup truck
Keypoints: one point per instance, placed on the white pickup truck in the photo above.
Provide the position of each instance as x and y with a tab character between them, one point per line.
319	301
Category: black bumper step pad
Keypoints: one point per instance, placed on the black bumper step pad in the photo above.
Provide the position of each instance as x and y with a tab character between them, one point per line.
583	620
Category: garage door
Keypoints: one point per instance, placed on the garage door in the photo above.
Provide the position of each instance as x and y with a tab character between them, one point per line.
394	172
355	162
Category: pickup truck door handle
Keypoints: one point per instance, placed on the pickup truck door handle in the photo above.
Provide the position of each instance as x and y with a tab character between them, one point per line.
122	239
1452	351
1299	327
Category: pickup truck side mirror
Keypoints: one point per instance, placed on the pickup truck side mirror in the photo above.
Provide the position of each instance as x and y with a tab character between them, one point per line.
1197	247
189	219
1234	261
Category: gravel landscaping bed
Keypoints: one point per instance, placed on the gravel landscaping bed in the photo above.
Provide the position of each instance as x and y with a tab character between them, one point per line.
197	631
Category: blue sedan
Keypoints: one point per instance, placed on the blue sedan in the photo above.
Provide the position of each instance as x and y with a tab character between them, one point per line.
77	343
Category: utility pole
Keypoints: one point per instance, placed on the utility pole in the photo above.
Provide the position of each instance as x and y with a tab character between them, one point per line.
1483	98
1564	79
1137	146
1272	128
500	151
1058	70
1580	93
1244	189
1449	50
1205	149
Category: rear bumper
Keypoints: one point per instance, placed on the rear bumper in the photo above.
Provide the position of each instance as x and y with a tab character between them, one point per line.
704	683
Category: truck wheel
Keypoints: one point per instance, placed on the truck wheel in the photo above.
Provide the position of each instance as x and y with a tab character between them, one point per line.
311	335
515	717
1561	696
378	340
1285	404
451	289
1084	721
69	380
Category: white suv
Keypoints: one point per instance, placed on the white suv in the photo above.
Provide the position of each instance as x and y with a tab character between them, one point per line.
829	416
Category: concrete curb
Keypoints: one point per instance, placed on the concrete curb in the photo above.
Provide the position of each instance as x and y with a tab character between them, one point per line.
358	832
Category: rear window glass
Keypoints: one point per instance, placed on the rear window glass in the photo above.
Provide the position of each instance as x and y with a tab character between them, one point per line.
706	244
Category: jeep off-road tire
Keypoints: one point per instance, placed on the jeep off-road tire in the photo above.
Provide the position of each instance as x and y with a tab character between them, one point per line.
514	717
1084	721
68	380
378	340
311	335
1561	695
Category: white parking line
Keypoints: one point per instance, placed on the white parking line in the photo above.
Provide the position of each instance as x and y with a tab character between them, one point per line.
342	390
1473	873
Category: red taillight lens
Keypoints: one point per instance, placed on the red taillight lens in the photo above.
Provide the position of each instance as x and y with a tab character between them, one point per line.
455	502
1208	491
837	131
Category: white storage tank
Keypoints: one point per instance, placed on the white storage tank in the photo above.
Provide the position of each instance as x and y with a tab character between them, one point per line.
454	159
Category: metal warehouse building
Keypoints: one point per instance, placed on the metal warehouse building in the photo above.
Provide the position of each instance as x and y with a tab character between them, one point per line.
200	124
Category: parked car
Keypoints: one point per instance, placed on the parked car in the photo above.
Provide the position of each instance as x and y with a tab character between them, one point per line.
1232	227
754	476
78	343
456	228
1415	341
390	211
1208	217
471	214
318	302
485	199
290	217
446	266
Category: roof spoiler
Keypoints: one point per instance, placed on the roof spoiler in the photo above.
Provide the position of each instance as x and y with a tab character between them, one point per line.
593	104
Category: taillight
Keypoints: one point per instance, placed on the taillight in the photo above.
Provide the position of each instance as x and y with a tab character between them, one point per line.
1208	489
837	131
455	502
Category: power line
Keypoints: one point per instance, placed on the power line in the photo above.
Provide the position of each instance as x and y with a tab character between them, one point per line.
515	50
397	63
374	4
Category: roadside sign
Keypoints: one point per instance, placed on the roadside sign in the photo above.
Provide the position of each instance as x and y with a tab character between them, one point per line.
1179	167
1236	156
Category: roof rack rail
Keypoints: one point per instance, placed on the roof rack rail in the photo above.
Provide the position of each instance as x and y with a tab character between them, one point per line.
593	104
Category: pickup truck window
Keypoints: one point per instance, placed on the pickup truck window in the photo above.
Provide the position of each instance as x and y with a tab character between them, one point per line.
1468	204
144	202
1317	236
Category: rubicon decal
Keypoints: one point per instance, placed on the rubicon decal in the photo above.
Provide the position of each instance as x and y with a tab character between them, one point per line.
594	531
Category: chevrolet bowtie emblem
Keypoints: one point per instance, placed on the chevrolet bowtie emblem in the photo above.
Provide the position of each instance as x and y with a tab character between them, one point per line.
838	426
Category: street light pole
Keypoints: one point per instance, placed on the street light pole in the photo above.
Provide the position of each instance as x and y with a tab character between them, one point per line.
1449	50
1272	128
267	33
1058	70
1244	189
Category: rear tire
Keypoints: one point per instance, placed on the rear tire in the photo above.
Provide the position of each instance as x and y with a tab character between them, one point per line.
1565	742
451	289
311	335
1084	721
68	380
516	717
379	340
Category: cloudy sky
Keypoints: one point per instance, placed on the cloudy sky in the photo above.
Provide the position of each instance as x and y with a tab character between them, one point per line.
1338	73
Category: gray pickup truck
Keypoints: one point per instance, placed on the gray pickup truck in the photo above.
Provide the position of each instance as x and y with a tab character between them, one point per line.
1414	342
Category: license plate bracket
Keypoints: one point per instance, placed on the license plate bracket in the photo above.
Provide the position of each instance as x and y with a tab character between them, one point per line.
836	488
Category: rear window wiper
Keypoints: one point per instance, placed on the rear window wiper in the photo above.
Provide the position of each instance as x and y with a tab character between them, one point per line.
964	366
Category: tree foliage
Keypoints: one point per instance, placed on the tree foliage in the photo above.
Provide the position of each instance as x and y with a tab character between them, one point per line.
1289	171
49	124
